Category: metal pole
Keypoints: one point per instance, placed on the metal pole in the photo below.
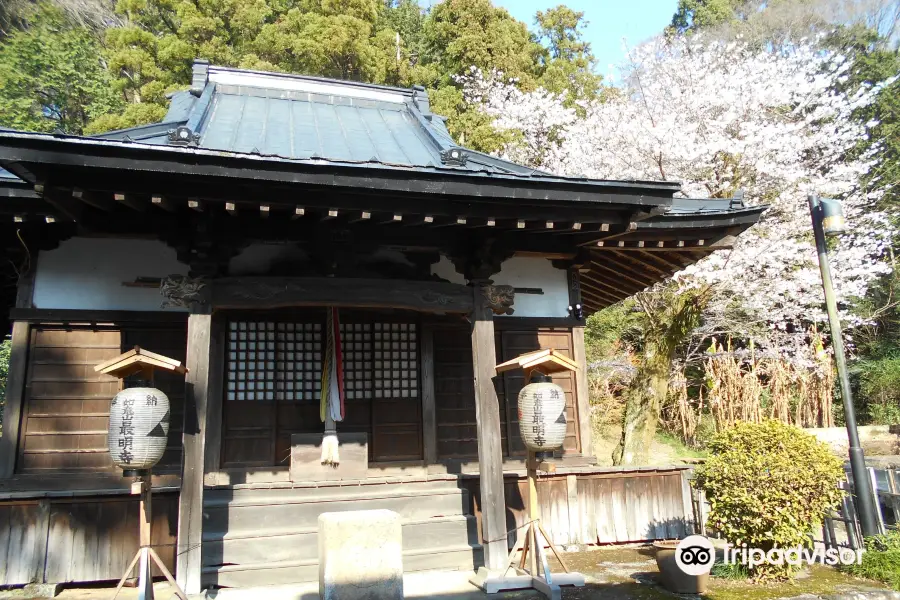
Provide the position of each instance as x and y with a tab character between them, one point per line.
862	489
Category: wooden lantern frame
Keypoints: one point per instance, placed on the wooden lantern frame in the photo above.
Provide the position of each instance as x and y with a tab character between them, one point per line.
529	540
140	360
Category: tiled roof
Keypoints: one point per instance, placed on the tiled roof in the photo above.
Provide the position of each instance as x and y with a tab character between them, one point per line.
307	118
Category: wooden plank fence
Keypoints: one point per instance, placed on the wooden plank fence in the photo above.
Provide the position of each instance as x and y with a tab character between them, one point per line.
601	507
60	540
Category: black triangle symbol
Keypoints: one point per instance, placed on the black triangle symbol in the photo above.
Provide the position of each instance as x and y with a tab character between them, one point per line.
158	431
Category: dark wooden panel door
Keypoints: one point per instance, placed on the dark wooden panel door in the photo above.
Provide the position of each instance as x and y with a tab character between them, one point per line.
519	342
273	389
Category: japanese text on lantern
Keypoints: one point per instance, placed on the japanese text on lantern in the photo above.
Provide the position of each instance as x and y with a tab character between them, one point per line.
126	430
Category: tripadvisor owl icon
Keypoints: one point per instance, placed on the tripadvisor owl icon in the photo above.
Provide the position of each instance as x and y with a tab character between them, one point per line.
695	555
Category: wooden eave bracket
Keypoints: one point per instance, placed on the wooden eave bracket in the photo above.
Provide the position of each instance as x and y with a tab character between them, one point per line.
546	361
136	360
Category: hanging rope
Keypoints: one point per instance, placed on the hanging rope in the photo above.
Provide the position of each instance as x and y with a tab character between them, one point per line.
331	405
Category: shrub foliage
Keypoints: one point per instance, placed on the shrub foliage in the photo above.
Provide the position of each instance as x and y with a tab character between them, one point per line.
881	560
767	485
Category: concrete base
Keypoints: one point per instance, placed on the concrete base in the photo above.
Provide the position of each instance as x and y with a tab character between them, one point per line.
493	582
360	555
42	590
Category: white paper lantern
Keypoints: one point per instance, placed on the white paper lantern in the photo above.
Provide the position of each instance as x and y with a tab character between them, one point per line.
138	428
542	414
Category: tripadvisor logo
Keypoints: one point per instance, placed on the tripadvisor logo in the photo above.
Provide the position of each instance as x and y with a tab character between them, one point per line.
695	555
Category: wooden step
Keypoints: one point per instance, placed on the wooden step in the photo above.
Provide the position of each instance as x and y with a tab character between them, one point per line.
267	512
461	558
285	490
260	546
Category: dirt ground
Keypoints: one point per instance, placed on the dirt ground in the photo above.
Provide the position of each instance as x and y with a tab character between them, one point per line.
610	574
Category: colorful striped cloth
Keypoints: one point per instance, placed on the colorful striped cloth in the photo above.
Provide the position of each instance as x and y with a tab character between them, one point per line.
332	399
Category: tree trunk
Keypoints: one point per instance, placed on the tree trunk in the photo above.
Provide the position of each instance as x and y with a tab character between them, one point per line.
643	403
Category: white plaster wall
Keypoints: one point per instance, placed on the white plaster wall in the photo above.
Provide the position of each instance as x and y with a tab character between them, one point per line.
524	272
87	273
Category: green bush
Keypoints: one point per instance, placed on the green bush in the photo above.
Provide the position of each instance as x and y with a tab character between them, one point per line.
879	389
881	560
767	485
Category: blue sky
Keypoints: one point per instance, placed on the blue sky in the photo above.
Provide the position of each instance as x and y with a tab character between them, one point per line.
608	22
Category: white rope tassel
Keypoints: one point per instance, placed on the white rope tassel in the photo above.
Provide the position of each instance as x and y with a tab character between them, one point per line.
330	454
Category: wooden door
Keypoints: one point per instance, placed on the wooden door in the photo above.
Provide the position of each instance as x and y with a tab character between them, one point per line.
519	342
273	388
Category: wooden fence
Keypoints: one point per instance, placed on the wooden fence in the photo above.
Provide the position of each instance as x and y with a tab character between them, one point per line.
59	540
601	506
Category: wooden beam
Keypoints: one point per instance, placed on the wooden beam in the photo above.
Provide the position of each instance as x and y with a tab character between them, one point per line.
92	199
487	417
429	410
15	397
130	201
213	449
283	292
605	288
627	275
600	300
66	206
587	289
489	222
449	221
190	504
582	394
617	286
671	259
624	263
624	259
163	202
363	217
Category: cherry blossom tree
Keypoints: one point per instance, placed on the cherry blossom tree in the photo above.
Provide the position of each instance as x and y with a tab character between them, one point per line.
720	117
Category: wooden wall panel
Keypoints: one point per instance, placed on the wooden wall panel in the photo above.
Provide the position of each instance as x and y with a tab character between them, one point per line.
79	540
454	394
67	402
455	400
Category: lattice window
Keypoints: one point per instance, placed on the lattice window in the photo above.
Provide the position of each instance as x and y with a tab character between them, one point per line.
299	375
283	361
356	344
274	361
395	354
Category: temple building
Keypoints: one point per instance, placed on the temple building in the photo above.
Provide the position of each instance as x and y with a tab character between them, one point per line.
221	237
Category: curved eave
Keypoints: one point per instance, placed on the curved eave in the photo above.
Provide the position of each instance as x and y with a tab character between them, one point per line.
624	264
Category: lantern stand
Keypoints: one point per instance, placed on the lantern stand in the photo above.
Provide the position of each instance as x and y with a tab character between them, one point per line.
537	368
141	365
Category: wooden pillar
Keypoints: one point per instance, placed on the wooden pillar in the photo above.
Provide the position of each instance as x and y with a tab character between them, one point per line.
15	397
487	415
16	378
200	348
429	410
582	394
